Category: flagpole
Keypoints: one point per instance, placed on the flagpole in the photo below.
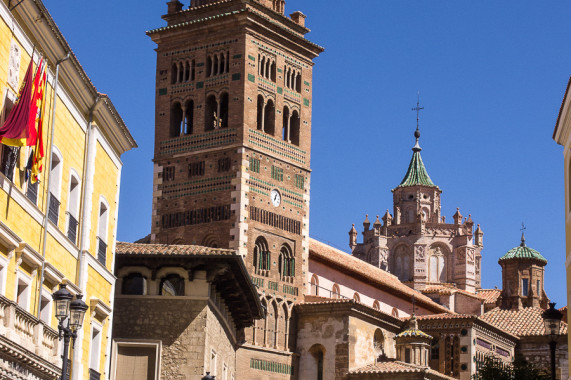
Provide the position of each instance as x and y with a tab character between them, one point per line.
49	168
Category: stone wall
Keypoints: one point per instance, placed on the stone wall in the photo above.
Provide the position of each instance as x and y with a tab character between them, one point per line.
187	328
536	350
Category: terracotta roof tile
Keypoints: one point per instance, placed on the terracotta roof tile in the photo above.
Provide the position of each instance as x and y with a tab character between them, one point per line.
394	367
375	276
490	295
523	322
123	248
313	300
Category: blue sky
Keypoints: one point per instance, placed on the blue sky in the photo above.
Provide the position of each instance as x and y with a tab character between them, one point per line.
491	77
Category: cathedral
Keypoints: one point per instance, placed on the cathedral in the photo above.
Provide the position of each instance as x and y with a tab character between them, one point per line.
230	284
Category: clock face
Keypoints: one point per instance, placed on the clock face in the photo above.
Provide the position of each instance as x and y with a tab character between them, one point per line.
276	197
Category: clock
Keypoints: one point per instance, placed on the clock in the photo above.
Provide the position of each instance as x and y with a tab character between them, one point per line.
276	197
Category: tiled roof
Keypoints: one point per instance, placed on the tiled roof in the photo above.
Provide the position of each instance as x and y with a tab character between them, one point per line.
523	252
447	289
123	248
373	275
445	316
395	367
416	173
490	295
315	300
413	331
523	322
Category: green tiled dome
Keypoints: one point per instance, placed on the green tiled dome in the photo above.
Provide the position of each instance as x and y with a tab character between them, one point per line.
416	173
523	252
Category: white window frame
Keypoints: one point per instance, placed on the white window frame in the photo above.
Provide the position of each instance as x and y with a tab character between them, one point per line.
20	276
103	201
157	344
3	274
46	295
55	181
72	174
95	354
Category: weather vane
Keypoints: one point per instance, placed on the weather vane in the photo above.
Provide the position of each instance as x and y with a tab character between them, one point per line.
417	108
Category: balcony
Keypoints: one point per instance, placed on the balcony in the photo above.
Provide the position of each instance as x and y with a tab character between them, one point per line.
53	210
28	332
72	229
102	251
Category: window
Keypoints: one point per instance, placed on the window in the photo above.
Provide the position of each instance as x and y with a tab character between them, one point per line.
94	351
294	127
299	179
134	284
168	173
8	155
292	78
407	355
172	285
176	120
314	285
213	358
435	349
224	164
262	257
379	343
286	262
216	112
23	294
102	233
538	292
335	293
395	312
356	297
72	208
55	185
254	165
3	271
437	264
136	362
317	351
217	63
32	192
277	173
376	305
196	169
525	287
189	117
45	307
269	117
267	67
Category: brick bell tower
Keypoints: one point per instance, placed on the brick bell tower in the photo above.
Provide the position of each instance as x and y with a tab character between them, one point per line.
232	152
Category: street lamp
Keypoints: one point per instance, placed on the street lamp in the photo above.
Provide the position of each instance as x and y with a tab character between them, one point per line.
208	377
552	319
75	310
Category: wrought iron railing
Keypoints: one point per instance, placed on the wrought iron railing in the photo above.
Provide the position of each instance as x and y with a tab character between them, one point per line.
53	209
32	192
72	229
102	251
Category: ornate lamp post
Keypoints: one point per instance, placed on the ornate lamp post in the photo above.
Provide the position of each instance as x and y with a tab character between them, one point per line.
208	377
75	310
552	319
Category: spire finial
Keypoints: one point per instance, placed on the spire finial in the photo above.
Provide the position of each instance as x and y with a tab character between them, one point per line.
522	229
417	147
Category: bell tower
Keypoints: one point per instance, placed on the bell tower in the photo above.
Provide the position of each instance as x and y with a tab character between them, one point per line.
233	148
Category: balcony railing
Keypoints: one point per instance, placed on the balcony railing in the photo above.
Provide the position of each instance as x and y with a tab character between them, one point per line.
53	210
94	375
102	252
27	331
72	229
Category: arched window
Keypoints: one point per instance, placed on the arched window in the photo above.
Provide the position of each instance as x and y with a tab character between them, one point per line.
215	65
176	120
273	71
263	66
286	262
211	117
271	324
270	117
174	73
224	110
260	111
189	117
209	66
171	285
376	305
262	257
402	263
186	71
222	63
317	351
435	349
437	265
73	208
295	128
298	82
335	292
314	285
356	297
395	312
193	70
285	124
134	284
379	343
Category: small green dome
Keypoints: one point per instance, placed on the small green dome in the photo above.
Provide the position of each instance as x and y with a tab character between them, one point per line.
523	252
413	331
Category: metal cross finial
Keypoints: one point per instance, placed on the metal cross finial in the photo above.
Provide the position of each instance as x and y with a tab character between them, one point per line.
417	109
522	229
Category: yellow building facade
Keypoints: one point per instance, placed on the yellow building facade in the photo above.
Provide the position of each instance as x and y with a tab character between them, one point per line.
83	179
562	135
